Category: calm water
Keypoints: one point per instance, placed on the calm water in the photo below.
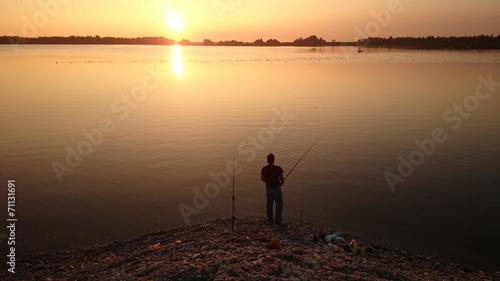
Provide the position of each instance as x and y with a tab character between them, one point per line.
169	117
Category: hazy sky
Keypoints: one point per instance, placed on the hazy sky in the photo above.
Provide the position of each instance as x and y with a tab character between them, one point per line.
247	20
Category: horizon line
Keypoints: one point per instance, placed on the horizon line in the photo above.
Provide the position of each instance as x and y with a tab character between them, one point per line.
261	38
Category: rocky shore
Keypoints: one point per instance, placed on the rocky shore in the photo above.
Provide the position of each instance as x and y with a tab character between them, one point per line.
254	251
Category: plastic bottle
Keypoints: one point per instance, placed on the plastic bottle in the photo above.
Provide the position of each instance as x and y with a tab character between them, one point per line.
336	248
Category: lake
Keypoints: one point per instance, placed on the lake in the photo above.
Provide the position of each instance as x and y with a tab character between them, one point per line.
109	142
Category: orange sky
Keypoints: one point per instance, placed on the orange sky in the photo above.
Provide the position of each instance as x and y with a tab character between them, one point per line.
247	20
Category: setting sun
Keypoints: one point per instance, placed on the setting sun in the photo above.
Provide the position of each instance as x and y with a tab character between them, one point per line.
175	21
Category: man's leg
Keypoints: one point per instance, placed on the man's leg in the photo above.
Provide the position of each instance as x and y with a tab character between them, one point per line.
279	205
269	205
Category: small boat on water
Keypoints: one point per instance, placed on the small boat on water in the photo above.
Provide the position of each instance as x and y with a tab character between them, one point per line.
359	50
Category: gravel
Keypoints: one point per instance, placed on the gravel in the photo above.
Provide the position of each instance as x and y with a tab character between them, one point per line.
254	251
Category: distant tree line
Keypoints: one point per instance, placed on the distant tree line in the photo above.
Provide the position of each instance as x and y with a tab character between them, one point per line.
311	41
430	42
90	40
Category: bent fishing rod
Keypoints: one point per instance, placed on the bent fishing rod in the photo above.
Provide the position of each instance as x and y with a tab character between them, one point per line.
234	207
302	205
301	159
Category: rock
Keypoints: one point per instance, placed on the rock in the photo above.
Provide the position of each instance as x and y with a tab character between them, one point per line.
238	255
123	276
226	268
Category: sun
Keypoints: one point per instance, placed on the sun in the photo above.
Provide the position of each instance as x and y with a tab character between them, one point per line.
175	21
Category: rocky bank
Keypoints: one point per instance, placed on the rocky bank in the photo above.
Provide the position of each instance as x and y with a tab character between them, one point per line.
255	250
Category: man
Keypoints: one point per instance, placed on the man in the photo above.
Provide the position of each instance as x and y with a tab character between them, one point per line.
273	177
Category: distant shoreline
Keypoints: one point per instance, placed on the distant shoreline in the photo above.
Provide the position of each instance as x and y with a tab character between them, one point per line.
481	42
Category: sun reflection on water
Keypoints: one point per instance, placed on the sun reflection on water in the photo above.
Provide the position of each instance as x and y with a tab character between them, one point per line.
177	63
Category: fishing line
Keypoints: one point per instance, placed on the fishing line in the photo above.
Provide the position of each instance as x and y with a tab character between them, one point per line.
301	158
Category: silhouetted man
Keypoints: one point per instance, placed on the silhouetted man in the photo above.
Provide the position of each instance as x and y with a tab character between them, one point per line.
273	177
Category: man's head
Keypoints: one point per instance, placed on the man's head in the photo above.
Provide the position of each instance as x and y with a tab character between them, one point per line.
270	158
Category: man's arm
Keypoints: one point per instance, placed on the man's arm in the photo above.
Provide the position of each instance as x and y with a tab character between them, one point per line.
282	180
262	178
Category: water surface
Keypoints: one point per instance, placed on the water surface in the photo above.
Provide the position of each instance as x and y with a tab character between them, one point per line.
196	106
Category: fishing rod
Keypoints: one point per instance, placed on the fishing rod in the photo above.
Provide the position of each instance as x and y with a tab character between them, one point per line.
302	205
301	158
232	219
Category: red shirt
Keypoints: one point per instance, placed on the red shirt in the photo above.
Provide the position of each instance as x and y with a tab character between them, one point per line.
271	174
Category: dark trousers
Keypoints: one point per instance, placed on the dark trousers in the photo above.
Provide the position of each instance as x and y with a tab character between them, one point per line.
274	194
